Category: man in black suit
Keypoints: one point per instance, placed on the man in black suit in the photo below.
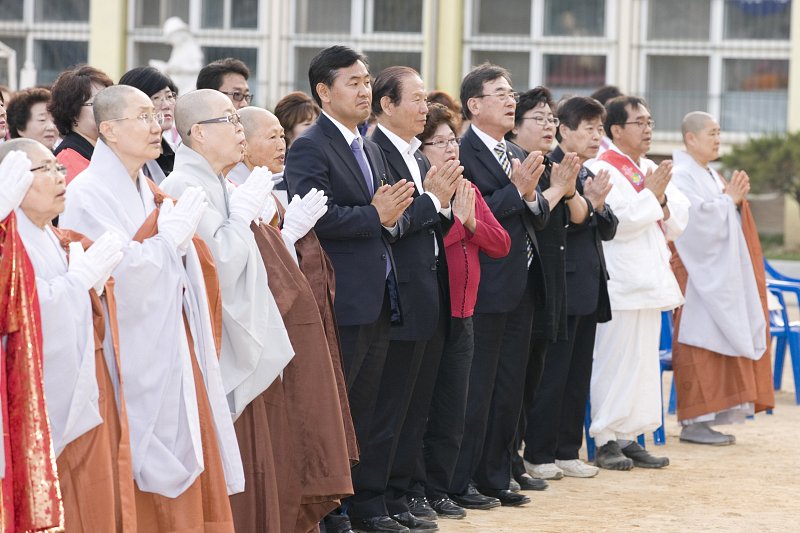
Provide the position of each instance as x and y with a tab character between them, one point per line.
364	206
555	423
385	475
504	311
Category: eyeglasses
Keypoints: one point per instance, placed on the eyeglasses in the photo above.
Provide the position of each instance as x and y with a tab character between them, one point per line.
52	167
642	123
169	97
87	104
543	121
232	118
444	143
238	97
501	96
144	118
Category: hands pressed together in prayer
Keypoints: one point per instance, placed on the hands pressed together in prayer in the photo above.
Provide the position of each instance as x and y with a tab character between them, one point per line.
250	198
738	187
563	177
657	180
178	222
442	182
302	214
15	180
525	175
595	189
94	266
464	205
391	200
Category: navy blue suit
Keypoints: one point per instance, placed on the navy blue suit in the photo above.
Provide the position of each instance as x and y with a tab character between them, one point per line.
503	320
351	234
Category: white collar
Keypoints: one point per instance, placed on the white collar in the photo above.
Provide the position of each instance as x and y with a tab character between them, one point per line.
487	139
407	149
349	135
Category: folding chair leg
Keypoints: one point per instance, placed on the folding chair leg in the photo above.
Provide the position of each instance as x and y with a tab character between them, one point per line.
794	352
673	398
587	422
640	440
780	355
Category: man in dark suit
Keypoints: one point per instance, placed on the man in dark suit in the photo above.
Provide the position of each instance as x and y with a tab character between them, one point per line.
555	422
384	478
364	206
504	310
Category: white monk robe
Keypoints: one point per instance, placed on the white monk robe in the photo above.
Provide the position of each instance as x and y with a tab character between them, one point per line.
154	290
625	387
255	344
723	311
70	382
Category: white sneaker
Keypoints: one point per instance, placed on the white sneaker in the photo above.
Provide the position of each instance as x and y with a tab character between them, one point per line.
577	468
544	471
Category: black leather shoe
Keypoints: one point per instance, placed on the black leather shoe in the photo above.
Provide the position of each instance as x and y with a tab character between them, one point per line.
414	524
642	458
475	500
378	524
506	497
528	482
447	508
337	523
420	508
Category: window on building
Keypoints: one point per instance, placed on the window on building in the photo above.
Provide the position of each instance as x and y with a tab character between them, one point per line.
516	63
574	17
757	19
244	13
52	57
62	10
512	18
153	13
394	16
144	52
574	74
18	44
676	85
755	95
379	60
229	14
302	58
679	19
322	16
11	9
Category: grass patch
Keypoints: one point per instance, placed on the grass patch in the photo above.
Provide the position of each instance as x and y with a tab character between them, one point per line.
774	248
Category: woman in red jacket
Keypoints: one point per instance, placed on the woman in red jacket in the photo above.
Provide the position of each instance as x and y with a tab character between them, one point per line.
474	231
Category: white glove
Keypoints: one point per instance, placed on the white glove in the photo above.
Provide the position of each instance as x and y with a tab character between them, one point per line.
269	209
94	266
15	180
178	222
248	200
302	214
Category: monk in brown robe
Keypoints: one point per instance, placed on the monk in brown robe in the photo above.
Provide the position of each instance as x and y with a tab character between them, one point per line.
720	352
184	452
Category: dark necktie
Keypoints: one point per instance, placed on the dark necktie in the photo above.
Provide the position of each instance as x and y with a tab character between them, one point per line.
358	152
502	156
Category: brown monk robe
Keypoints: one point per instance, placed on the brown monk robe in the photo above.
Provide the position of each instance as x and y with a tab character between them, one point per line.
204	507
707	382
95	470
318	270
312	461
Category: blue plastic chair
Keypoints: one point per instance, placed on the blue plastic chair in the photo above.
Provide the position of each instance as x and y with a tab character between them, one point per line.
591	448
774	274
785	333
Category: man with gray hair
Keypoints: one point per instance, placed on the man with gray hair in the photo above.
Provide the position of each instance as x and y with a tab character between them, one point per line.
185	456
721	343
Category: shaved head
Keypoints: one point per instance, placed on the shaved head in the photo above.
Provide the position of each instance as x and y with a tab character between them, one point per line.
112	102
254	118
694	122
29	146
198	105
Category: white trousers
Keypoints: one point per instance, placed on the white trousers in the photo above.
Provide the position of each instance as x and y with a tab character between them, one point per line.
626	377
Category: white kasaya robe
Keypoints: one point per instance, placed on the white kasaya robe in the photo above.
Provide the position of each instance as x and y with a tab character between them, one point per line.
625	386
156	289
255	344
723	315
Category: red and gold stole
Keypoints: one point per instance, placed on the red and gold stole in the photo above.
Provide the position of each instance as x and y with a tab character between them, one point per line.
628	169
31	498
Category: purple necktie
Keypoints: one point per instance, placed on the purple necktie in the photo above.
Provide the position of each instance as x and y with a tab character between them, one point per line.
358	152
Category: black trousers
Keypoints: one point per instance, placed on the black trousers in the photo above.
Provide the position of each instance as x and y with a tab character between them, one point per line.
494	399
364	350
445	429
555	418
395	435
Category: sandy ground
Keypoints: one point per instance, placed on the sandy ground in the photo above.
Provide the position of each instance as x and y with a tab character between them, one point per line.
752	486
